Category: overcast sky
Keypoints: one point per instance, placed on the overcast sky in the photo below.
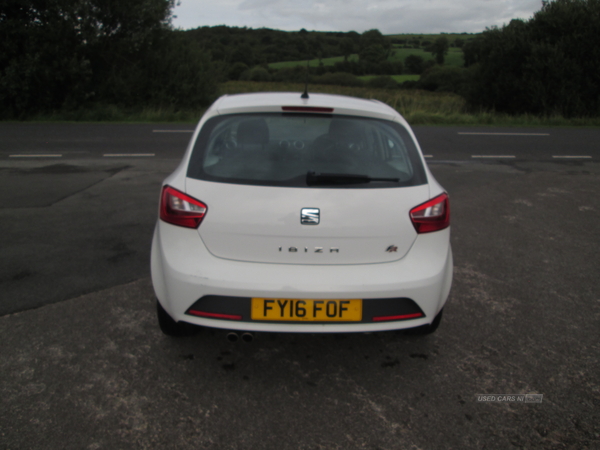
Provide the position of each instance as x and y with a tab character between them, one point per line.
388	16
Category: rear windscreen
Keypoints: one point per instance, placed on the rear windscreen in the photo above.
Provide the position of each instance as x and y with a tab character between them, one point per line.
283	149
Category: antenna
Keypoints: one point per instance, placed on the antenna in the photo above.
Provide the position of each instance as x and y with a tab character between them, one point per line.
305	94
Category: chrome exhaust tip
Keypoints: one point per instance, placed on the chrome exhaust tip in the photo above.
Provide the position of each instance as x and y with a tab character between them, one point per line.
247	337
232	337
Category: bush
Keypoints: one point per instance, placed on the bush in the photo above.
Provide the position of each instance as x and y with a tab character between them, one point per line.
236	70
444	79
409	84
352	67
256	74
384	68
414	64
382	82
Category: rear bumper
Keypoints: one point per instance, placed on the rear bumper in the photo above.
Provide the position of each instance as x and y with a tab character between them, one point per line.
184	271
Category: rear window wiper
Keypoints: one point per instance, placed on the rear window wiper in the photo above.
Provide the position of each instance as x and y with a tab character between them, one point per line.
313	178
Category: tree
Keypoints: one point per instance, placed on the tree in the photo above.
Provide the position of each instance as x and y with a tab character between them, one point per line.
236	70
414	64
547	65
42	59
67	53
439	48
315	46
374	48
243	53
471	51
178	72
346	47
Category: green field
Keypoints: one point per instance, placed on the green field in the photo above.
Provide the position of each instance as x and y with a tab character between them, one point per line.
453	58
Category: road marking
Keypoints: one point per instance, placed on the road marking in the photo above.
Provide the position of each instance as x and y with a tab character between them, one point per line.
35	156
428	156
571	157
172	131
503	134
128	155
493	156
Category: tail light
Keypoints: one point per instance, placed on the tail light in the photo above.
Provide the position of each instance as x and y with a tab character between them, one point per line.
433	215
180	209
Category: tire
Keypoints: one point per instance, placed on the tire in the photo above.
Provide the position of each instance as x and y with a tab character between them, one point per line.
171	328
424	330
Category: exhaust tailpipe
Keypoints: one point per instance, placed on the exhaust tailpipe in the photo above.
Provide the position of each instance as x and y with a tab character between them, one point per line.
232	337
247	337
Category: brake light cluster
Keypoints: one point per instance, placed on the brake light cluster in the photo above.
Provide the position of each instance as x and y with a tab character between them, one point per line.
180	209
433	215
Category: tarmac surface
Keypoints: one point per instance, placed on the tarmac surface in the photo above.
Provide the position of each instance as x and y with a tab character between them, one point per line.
83	364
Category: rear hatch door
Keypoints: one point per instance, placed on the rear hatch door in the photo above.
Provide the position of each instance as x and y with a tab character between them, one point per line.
264	224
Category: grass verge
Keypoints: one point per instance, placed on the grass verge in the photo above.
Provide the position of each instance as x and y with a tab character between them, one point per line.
417	107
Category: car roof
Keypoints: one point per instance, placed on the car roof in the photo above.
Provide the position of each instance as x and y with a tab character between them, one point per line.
274	101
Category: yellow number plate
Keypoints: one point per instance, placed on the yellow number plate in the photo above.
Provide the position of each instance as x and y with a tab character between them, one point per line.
297	310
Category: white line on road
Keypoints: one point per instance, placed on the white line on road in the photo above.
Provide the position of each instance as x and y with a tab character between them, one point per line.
35	156
128	155
571	157
503	134
172	131
493	156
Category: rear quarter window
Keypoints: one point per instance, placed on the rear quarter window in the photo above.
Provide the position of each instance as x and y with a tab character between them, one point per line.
281	149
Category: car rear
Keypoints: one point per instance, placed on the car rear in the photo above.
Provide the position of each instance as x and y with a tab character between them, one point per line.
297	215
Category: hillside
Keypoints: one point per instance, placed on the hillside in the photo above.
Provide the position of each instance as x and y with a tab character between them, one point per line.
241	49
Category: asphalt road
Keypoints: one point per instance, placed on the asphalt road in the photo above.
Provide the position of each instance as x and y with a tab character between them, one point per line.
79	201
83	364
60	142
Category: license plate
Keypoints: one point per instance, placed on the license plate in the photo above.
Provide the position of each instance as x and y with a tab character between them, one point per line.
310	310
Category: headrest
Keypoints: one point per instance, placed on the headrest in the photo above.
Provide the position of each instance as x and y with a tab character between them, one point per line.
253	132
344	130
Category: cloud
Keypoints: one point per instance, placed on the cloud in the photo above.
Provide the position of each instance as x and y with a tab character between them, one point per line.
389	16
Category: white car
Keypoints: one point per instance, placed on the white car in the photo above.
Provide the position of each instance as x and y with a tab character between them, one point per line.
294	214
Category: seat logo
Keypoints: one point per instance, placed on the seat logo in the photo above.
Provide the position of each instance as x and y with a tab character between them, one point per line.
310	216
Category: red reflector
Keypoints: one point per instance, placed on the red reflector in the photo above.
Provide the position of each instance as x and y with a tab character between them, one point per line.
402	317
214	315
306	109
